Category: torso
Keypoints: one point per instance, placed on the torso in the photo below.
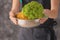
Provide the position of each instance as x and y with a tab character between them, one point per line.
45	3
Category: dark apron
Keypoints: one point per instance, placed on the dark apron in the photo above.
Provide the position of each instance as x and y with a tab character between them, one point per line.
43	31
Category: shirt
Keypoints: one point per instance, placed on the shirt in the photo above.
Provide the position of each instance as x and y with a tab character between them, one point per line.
46	3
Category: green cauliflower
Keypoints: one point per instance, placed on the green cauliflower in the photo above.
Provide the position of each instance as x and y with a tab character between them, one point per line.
33	10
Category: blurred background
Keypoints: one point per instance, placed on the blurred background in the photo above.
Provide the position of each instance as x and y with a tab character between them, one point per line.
9	31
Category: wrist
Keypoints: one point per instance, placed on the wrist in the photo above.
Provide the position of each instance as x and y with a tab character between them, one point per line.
12	11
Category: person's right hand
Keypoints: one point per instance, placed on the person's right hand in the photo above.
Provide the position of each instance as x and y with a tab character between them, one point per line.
13	18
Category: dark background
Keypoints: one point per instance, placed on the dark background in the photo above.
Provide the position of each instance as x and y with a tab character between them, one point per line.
9	31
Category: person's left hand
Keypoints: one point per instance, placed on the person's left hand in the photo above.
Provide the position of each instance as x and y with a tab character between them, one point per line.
47	12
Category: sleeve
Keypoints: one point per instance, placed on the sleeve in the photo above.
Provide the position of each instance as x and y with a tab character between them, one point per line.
20	1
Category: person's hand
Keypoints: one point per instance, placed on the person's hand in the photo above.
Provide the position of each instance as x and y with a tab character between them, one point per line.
13	18
47	13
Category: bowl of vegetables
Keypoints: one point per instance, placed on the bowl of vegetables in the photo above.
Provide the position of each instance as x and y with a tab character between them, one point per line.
23	21
30	15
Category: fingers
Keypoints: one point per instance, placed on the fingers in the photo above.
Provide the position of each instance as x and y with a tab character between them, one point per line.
47	12
14	20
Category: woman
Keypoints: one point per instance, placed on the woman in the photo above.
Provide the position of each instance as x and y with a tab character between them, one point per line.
40	32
